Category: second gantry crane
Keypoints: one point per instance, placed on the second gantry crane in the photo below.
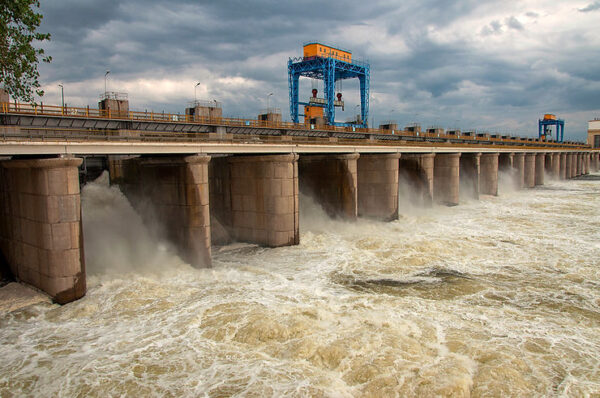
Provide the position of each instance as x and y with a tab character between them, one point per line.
545	130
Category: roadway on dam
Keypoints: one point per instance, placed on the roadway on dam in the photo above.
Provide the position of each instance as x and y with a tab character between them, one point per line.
45	147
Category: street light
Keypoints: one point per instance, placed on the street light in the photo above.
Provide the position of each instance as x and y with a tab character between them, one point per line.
62	95
268	97
105	75
195	96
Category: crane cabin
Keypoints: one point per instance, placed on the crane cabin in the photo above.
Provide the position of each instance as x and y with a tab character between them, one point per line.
312	50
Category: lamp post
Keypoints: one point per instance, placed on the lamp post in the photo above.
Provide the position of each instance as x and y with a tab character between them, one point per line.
62	96
195	96
105	75
268	98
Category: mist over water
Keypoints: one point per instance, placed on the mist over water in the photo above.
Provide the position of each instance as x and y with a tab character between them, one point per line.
116	239
497	297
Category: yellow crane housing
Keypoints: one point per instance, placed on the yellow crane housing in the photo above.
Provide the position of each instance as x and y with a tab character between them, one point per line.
321	50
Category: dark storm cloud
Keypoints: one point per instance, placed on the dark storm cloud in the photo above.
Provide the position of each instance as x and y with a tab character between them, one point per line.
70	19
407	17
252	40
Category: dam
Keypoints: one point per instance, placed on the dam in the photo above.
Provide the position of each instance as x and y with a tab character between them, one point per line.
211	180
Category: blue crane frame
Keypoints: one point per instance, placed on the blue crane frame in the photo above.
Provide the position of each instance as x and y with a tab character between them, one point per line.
330	70
544	128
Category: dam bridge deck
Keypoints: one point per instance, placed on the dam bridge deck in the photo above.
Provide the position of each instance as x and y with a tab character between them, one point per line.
43	126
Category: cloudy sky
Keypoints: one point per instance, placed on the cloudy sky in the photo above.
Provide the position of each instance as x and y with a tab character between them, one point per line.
474	64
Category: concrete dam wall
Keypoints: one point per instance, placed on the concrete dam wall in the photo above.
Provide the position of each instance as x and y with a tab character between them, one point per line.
204	200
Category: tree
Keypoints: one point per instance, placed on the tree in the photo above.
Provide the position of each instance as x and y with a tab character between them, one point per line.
18	57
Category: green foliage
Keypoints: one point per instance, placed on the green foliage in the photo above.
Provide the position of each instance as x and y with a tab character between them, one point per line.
18	57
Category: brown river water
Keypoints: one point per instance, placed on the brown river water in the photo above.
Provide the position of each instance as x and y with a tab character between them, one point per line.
493	298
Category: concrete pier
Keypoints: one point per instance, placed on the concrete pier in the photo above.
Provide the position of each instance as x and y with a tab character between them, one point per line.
586	163
595	161
470	169
519	167
40	228
446	178
575	165
488	179
569	166
177	188
377	181
332	181
264	199
540	168
416	177
554	165
589	163
529	169
563	165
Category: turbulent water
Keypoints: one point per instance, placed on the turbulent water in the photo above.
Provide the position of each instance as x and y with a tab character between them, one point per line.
497	297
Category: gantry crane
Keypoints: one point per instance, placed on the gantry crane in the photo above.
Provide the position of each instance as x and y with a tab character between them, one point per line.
331	65
545	130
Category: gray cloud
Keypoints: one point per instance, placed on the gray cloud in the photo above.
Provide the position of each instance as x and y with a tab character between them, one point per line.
591	7
514	23
494	28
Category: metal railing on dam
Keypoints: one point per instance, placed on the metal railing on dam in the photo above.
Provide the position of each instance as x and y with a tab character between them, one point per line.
47	123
